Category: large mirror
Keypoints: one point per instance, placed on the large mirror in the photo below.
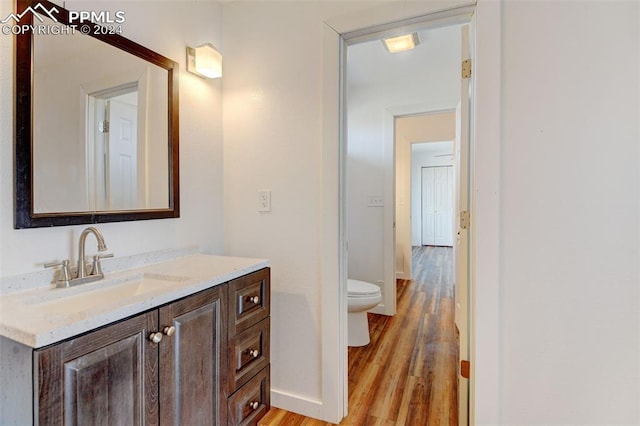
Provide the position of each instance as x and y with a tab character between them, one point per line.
96	125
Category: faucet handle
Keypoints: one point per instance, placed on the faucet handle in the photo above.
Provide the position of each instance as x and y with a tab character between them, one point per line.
63	274
97	267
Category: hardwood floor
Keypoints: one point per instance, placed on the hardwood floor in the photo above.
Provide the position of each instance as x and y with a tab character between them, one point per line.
407	374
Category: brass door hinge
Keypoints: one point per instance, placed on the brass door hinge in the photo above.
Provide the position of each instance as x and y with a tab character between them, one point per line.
465	219
465	368
466	68
103	126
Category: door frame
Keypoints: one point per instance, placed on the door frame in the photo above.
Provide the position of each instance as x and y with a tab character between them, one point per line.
430	19
485	272
390	220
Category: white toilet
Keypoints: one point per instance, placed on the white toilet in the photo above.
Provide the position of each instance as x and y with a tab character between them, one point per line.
361	296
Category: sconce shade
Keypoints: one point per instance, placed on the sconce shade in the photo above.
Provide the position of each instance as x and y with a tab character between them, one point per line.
204	61
401	43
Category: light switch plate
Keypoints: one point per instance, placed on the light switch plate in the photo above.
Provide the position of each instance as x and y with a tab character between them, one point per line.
264	201
375	201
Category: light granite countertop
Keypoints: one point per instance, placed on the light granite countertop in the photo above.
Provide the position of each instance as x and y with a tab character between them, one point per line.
44	315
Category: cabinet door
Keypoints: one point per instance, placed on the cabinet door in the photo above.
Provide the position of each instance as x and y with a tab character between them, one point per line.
106	377
192	360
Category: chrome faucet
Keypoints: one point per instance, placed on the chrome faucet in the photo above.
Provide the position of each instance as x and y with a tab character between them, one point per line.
82	267
66	275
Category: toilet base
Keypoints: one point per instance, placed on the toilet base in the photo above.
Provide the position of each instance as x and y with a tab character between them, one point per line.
358	325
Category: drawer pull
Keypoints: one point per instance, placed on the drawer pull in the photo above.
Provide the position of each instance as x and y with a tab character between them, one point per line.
169	330
155	337
254	299
254	353
254	404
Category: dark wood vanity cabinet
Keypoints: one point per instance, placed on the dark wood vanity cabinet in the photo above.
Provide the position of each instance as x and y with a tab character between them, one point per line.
200	370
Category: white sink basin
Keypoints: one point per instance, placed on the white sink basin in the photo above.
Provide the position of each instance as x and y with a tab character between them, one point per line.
103	294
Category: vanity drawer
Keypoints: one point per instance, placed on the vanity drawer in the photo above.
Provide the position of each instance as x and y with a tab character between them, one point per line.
248	354
249	296
251	401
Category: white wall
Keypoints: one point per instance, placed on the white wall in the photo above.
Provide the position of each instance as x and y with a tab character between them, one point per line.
272	140
570	213
275	53
166	27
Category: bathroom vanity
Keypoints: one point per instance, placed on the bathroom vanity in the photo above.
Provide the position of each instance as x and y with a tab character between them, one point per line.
184	341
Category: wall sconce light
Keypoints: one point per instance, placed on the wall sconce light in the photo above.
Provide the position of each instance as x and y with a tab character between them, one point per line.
204	61
401	43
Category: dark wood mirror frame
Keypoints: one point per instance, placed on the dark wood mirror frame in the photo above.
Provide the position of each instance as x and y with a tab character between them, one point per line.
23	196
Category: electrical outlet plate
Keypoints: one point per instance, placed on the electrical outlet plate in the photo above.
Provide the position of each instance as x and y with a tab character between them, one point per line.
264	201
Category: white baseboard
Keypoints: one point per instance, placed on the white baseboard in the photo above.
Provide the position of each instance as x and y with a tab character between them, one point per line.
301	405
381	309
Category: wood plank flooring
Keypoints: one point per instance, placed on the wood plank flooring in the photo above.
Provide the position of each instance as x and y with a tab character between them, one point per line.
407	374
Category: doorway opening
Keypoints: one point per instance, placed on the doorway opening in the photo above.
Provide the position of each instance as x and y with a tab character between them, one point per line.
377	179
421	140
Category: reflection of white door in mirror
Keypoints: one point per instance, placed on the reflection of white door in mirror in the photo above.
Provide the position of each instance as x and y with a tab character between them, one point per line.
121	171
113	151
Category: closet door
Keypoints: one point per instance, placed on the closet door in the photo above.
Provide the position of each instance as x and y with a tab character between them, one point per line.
437	206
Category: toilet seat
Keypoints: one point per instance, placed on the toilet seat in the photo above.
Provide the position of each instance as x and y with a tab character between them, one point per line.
356	288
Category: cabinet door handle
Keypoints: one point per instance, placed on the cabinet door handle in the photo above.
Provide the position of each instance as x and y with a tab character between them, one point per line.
155	337
254	404
169	330
254	299
254	353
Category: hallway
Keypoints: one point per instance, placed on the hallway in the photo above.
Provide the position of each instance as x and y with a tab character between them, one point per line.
407	374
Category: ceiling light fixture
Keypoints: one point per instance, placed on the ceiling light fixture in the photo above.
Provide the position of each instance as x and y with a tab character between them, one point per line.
401	43
204	61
